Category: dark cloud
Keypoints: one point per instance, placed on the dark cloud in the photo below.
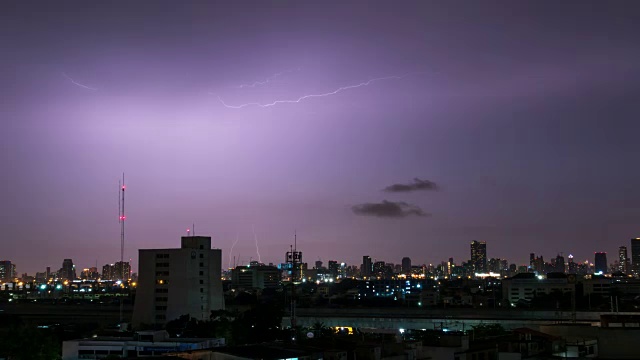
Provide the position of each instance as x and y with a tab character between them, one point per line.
388	209
417	184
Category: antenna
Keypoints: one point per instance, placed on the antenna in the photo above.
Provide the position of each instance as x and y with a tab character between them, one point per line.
193	229
122	219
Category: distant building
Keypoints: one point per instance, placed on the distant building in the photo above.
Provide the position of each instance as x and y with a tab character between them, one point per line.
108	272
334	269
479	256
623	260
572	266
559	265
122	270
7	271
258	276
635	256
367	266
406	265
523	287
90	274
175	282
68	270
141	344
601	263
379	268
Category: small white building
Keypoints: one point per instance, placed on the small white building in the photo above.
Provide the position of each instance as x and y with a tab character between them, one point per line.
141	344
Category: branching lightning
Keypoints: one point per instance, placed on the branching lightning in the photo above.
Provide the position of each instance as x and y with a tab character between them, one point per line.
338	90
255	237
231	251
78	84
267	80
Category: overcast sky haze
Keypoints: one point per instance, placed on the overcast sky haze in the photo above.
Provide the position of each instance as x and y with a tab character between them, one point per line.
520	121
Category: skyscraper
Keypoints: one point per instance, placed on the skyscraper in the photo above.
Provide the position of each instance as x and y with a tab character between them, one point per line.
601	263
367	266
532	261
406	265
635	256
7	271
479	256
68	270
623	260
333	268
572	265
175	282
559	264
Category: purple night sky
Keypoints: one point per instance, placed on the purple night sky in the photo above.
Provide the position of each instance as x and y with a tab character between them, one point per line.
520	120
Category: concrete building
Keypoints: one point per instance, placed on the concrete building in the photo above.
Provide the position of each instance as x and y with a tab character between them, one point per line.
7	271
255	276
623	260
367	266
141	344
601	263
635	256
406	265
68	270
523	287
175	282
479	256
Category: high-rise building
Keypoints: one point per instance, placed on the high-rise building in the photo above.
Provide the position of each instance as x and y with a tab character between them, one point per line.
68	270
623	260
635	256
379	268
572	266
601	263
176	282
479	256
559	264
333	268
255	276
108	272
406	265
122	270
7	270
532	261
367	266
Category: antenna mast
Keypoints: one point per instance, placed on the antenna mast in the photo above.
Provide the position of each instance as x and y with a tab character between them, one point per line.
122	219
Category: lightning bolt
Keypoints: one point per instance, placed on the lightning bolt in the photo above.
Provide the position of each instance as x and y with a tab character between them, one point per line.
231	252
256	239
78	84
267	80
301	98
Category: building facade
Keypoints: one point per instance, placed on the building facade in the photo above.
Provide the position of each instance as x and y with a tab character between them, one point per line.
68	270
175	282
479	256
367	266
258	276
635	256
623	260
7	271
601	263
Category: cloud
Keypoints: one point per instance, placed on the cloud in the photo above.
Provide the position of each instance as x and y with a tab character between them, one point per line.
415	186
388	209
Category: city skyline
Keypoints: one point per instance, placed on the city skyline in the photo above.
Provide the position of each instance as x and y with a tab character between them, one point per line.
479	255
383	129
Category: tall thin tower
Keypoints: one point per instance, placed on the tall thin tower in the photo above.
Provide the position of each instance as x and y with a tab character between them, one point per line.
122	218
